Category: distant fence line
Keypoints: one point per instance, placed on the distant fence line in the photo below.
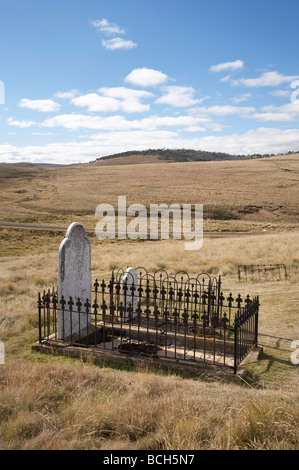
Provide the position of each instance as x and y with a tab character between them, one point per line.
262	272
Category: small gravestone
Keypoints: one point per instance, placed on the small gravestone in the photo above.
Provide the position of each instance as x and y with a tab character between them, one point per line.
130	297
74	280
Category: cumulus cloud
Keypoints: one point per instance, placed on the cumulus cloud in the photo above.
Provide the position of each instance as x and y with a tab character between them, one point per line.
286	113
107	27
119	123
118	43
237	64
115	33
96	103
114	99
280	93
145	77
261	140
224	110
178	96
65	95
129	98
22	124
241	98
39	105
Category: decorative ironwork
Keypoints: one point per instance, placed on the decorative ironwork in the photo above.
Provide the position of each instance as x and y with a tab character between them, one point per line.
175	317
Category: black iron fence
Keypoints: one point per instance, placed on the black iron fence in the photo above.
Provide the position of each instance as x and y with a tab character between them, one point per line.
171	317
261	272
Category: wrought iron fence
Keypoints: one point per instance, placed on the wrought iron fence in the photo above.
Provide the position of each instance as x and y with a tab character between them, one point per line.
171	317
262	272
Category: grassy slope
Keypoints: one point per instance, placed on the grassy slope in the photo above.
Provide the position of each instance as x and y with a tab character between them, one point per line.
254	194
55	403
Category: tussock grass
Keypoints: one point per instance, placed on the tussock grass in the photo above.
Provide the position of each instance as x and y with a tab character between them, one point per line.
77	406
237	195
48	402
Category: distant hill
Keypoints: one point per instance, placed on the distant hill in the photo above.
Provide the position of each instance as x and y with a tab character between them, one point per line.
181	155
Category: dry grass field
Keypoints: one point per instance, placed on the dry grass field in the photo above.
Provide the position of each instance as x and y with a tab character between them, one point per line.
49	402
237	195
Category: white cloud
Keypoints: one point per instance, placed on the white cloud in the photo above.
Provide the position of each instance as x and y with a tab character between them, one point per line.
114	32
225	79
65	95
195	129
224	110
39	105
262	141
114	99
266	79
118	43
96	103
241	98
119	123
129	98
125	93
107	27
146	77
237	64
280	93
154	122
81	121
42	133
178	96
22	124
286	113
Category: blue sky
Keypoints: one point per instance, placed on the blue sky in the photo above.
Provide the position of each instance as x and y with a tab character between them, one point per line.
83	79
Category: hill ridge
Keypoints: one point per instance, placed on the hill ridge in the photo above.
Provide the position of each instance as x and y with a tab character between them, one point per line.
185	155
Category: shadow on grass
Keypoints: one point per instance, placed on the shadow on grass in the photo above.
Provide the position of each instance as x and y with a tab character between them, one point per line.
205	373
255	372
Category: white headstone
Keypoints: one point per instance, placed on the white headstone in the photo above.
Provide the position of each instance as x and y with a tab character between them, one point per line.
74	279
130	279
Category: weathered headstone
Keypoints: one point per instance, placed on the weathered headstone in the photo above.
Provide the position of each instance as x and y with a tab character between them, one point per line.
74	280
130	297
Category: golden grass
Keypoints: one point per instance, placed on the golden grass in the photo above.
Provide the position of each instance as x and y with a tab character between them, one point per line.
48	402
75	406
251	194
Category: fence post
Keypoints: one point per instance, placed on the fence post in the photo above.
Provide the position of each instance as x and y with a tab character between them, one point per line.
257	303
235	344
39	306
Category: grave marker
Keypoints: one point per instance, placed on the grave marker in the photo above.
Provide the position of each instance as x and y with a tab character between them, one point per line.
74	279
130	281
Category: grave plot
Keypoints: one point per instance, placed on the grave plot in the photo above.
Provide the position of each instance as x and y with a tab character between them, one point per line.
157	316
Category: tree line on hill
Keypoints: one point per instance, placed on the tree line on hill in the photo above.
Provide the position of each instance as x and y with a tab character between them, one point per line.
186	155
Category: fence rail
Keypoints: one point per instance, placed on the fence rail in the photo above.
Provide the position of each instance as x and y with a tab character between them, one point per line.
172	317
262	271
